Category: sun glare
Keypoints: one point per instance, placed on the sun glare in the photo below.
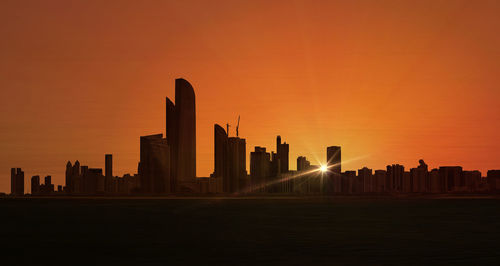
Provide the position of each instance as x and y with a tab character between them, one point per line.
323	168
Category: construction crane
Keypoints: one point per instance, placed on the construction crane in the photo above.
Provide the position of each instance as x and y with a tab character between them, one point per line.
238	126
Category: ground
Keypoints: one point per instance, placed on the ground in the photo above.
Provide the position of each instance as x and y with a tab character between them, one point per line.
296	231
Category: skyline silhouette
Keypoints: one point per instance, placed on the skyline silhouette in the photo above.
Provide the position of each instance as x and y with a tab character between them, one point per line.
390	82
167	166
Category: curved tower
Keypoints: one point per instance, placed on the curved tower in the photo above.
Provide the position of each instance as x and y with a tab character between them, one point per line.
186	124
181	134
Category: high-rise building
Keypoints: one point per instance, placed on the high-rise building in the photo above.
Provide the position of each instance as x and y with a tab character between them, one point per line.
334	165
493	179
220	159
16	182
451	178
260	162
282	154
349	182
69	177
364	180
154	166
395	175
380	179
109	185
181	135
472	180
108	160
302	163
229	161
35	185
47	187
237	163
419	178
435	181
77	183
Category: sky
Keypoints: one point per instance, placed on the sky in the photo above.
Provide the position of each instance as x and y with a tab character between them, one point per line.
389	81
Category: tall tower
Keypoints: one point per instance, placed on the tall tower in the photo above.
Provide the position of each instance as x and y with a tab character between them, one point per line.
333	161
108	158
181	134
220	158
282	151
16	181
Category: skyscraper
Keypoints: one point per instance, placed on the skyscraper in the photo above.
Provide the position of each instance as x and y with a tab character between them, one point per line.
236	163
154	166
108	173
69	177
35	185
260	162
16	181
282	151
451	177
395	175
108	170
334	161
220	159
181	135
229	161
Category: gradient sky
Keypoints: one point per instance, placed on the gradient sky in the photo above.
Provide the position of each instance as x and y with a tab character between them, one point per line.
389	81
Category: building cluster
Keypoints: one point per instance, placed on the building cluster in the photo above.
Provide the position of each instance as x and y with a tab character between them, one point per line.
82	180
167	165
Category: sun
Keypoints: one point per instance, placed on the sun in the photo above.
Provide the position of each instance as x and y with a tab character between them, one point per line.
323	168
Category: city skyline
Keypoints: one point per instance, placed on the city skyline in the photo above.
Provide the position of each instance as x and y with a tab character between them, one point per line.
390	82
167	167
162	157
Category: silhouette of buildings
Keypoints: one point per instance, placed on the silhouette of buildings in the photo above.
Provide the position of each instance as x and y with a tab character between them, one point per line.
47	187
221	169
237	164
380	177
308	178
154	166
364	180
395	174
229	162
35	185
109	182
168	165
333	159
16	181
181	136
302	163
493	178
282	151
260	172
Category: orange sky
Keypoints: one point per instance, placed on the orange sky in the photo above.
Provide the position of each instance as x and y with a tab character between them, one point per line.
389	81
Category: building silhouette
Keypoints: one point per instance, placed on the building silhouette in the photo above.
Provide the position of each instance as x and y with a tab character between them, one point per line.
181	136
282	152
236	163
47	188
35	185
302	163
493	179
334	166
221	170
260	164
154	166
16	181
168	165
450	177
395	175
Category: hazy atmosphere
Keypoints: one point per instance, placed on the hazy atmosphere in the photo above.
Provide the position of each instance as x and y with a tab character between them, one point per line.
389	81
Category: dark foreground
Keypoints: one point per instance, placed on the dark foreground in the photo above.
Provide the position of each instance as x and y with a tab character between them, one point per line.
249	231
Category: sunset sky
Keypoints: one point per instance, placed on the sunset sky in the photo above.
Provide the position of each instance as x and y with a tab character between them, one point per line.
389	81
